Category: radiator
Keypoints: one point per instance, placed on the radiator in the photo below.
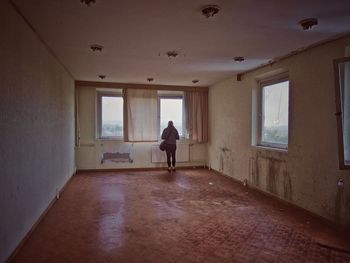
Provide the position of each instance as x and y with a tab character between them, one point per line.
182	153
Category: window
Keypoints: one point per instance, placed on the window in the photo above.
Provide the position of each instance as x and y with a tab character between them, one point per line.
110	115
342	99
274	96
171	109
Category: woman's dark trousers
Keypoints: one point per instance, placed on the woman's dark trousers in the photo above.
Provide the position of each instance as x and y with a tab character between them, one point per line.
170	153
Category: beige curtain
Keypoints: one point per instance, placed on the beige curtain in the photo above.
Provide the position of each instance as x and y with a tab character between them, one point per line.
141	110
196	115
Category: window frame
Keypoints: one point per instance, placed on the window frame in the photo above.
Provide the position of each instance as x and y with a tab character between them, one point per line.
261	85
171	96
99	95
339	113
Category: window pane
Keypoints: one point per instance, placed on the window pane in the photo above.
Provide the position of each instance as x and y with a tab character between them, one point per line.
112	116
275	113
345	109
171	109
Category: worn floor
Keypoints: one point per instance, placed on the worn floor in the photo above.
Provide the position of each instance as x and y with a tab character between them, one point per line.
190	216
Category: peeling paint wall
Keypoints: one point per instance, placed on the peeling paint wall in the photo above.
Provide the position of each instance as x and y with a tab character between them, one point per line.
36	128
307	175
88	154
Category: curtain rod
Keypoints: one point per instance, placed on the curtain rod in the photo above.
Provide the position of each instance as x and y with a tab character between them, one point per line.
95	84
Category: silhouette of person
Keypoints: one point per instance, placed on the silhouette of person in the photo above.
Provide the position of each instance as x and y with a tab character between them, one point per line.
170	135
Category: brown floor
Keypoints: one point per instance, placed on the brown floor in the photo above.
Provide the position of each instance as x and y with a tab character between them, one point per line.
190	216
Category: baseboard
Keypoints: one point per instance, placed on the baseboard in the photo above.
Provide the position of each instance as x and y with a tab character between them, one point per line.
225	175
137	169
37	222
287	203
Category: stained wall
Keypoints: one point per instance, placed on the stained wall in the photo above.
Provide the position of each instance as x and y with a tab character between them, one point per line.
36	128
307	174
90	148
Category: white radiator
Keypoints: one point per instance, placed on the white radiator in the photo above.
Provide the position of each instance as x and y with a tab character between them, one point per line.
182	153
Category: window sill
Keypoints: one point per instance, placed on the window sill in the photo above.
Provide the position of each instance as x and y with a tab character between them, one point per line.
269	148
110	139
189	141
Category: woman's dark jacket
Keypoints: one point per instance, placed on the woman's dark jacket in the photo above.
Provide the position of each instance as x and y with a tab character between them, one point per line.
170	135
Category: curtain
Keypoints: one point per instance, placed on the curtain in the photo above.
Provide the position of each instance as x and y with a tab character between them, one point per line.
142	117
196	115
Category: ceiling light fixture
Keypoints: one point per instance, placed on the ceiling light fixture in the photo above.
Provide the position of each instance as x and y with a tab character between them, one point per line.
210	10
150	79
87	2
308	23
96	47
195	81
172	54
102	76
238	59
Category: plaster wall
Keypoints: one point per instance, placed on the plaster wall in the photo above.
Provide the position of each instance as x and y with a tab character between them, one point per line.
36	128
88	153
307	174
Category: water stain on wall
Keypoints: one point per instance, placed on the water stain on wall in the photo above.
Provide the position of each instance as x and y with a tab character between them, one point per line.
226	161
275	173
272	175
254	172
221	163
287	186
338	202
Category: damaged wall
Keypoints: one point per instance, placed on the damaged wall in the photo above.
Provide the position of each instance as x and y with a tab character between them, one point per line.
36	128
88	153
307	174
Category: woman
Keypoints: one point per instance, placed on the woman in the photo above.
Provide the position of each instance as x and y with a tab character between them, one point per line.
170	135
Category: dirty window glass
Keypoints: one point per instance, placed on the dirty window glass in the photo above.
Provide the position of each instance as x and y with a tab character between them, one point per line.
111	116
342	91
171	109
274	121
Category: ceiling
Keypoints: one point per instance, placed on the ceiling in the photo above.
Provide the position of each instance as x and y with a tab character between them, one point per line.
137	34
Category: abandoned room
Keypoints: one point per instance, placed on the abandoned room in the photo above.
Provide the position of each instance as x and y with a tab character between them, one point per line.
259	94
